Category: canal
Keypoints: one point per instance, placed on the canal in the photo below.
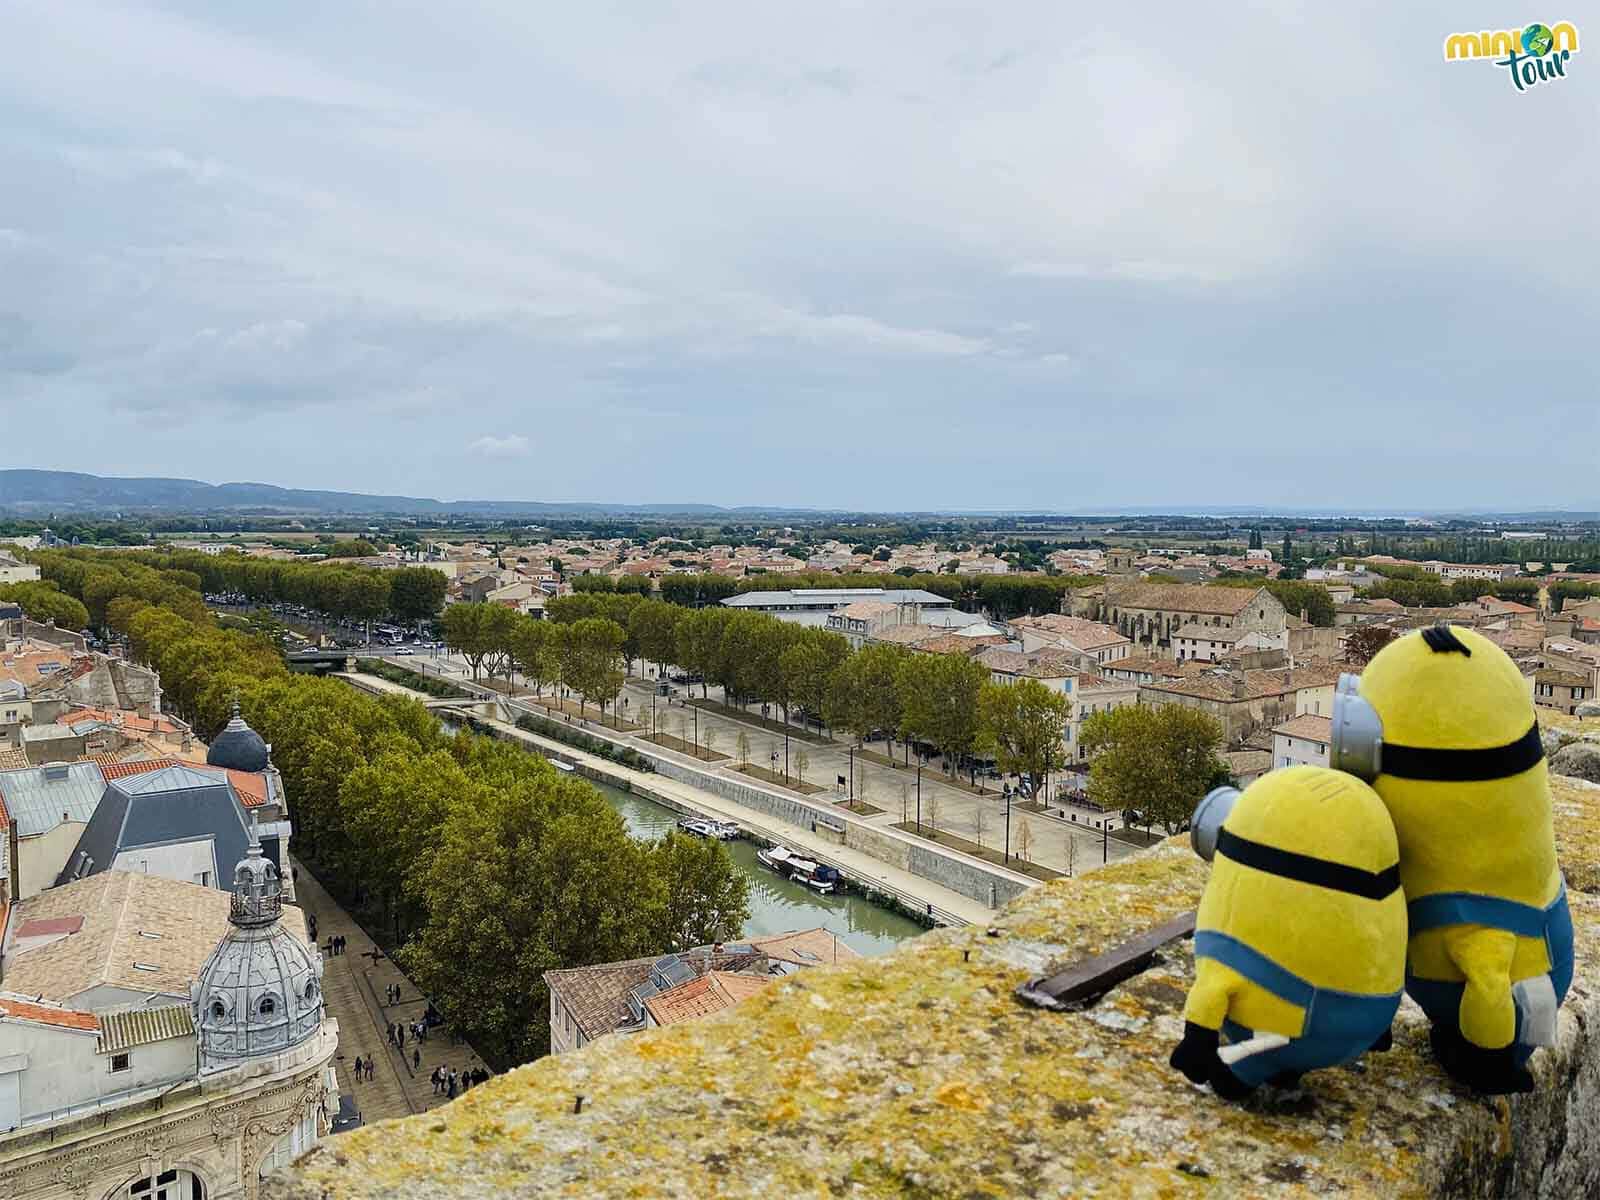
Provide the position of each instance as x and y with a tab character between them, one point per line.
777	905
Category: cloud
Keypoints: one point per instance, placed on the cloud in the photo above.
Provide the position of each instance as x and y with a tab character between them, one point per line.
821	255
512	445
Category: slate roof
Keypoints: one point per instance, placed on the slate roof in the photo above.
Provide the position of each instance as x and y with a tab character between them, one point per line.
158	808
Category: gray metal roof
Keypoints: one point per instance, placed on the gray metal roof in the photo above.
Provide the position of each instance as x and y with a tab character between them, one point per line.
38	797
140	1026
834	597
162	808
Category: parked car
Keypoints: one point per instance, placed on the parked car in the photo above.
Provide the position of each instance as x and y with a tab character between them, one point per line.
348	1117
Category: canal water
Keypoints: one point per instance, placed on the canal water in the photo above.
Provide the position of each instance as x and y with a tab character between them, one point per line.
777	905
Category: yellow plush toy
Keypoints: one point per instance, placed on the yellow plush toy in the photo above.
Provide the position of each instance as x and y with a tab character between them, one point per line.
1300	939
1442	722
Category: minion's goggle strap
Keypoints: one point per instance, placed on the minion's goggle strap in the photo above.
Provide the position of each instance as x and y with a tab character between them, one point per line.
1318	872
1464	766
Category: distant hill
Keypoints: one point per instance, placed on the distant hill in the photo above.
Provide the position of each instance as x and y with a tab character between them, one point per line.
26	491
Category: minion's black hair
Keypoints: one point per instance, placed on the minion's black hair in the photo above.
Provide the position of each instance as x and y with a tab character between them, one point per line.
1441	639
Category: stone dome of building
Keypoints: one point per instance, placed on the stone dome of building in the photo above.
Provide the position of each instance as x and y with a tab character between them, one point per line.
238	747
260	992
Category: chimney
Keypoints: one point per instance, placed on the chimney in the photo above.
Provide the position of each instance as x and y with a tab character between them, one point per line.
1239	686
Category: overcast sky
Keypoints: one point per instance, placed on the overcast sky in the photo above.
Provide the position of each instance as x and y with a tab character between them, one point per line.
1023	255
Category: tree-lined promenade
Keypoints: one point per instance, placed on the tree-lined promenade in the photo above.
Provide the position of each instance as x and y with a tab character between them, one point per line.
480	865
590	641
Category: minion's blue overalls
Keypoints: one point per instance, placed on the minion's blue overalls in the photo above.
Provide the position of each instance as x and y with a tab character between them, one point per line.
1339	1026
1441	999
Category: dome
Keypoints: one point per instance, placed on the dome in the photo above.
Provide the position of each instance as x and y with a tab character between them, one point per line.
260	992
237	747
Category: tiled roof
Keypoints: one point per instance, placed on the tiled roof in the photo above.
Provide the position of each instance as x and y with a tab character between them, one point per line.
864	610
1150	664
597	996
805	947
140	1026
1257	685
1308	726
1559	678
129	722
47	1014
909	635
1081	632
714	992
112	768
956	643
121	910
1183	597
13	760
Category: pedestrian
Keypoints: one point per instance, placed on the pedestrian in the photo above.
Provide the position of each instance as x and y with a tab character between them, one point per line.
358	1066
369	1070
416	1059
391	1033
433	1078
450	1084
400	1035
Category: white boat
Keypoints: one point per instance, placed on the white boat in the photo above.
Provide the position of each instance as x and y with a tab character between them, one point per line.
815	876
561	766
776	857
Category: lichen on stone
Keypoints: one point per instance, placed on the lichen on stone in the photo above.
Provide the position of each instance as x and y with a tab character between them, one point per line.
920	1074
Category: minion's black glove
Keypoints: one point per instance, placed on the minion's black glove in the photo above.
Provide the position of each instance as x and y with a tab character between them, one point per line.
1196	1055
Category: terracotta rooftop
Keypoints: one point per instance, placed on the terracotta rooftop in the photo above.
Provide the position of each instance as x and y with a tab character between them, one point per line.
1183	597
1308	726
713	992
1079	631
47	1014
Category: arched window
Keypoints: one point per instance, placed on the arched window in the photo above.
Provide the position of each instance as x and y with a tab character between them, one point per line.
311	991
218	1010
268	1005
176	1184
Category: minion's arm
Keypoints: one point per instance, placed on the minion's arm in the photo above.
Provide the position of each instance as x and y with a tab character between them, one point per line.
1212	993
1488	1012
1203	1013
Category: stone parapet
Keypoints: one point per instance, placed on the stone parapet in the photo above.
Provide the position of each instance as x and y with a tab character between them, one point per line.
919	1074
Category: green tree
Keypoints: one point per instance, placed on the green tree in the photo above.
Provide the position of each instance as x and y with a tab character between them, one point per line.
1023	722
536	649
1363	642
1157	762
416	593
465	634
939	702
592	660
701	897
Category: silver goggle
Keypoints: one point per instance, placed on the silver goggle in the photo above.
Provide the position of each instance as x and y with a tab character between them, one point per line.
1206	824
1356	742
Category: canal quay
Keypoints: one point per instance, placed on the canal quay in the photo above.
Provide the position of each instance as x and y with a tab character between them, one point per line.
777	905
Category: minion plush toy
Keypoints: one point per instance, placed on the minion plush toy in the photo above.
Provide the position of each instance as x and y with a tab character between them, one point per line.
1300	939
1442	724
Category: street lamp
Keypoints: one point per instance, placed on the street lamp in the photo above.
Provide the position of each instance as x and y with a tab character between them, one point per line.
851	791
1008	825
919	796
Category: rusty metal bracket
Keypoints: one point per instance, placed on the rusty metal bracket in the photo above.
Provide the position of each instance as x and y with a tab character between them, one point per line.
1087	978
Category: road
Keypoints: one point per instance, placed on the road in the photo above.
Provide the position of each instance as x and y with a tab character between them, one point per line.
1062	845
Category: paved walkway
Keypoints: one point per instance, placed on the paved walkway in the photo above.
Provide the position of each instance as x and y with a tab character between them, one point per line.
354	985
